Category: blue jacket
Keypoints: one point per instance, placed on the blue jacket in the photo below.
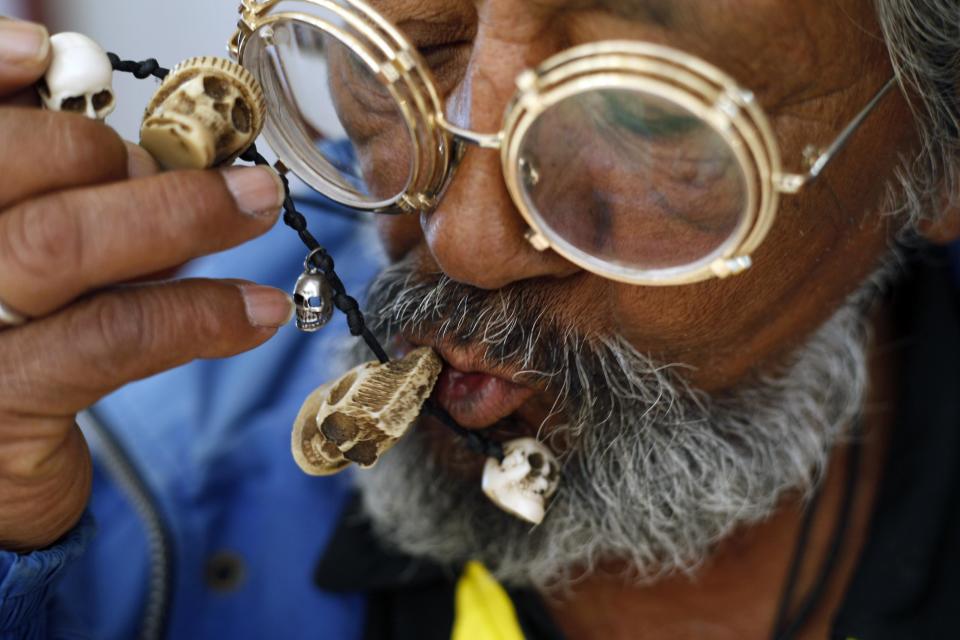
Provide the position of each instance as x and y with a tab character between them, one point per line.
197	507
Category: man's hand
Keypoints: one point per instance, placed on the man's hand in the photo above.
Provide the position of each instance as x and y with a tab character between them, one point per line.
80	212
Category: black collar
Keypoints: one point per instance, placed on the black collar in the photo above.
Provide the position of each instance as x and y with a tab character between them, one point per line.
907	584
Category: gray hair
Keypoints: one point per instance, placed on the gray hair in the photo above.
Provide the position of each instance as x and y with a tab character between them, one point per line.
923	37
655	473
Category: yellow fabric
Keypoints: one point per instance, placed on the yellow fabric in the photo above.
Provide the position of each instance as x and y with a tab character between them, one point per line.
484	611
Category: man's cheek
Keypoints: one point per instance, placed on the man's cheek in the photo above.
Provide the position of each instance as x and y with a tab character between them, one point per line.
399	234
661	319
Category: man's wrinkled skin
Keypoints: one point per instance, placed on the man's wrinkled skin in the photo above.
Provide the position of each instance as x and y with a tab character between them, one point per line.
813	65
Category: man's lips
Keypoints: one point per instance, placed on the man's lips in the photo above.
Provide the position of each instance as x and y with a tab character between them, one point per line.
475	395
477	400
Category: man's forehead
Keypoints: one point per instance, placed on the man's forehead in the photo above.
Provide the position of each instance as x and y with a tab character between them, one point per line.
656	11
752	40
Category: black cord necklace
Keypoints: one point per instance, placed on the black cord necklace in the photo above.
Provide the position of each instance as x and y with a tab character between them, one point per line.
786	627
320	260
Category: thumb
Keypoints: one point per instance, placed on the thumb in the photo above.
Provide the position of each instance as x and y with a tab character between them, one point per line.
24	55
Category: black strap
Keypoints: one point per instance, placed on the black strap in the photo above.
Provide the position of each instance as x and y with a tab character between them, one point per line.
786	629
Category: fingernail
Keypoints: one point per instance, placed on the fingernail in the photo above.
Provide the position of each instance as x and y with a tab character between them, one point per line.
23	41
257	190
140	164
267	307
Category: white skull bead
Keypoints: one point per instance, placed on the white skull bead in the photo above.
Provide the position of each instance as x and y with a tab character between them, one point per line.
79	79
205	114
521	485
360	416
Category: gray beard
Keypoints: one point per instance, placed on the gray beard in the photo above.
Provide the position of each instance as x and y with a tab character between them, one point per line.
655	473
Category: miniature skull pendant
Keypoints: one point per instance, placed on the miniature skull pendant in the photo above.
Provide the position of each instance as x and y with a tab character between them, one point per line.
360	416
521	485
79	79
205	114
314	300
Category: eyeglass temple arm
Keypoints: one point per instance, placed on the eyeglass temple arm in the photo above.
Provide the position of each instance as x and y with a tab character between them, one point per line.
793	183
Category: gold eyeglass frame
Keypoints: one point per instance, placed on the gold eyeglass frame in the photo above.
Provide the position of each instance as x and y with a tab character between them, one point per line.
438	145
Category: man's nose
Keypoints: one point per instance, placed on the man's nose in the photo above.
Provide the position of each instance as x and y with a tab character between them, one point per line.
476	235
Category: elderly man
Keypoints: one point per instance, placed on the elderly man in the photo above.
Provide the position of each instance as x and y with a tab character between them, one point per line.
748	373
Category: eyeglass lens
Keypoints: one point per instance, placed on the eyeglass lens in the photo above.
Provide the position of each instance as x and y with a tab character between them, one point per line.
632	179
354	132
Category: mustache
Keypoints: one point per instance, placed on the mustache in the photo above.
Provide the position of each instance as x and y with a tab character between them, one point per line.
520	326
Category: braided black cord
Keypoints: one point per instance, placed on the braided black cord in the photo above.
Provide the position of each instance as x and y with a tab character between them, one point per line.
322	261
475	441
140	70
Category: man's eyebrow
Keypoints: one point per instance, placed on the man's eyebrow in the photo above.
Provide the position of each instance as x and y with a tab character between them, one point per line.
659	12
663	13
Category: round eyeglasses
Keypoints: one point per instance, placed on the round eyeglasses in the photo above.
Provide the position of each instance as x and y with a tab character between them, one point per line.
635	161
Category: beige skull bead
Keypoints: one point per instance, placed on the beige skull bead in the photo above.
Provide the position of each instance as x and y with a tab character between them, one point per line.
522	483
205	114
362	415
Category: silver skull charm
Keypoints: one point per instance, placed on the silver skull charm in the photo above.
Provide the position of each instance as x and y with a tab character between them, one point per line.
314	300
523	482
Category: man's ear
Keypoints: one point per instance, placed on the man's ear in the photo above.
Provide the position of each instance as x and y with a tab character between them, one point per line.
946	228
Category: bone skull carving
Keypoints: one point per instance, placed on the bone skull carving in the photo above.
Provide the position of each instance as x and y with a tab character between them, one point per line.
314	299
360	416
524	481
79	79
205	114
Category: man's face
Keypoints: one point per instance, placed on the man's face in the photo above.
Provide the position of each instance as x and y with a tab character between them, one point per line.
813	66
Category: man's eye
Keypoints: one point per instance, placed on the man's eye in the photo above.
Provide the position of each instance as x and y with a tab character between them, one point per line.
447	62
435	54
628	114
